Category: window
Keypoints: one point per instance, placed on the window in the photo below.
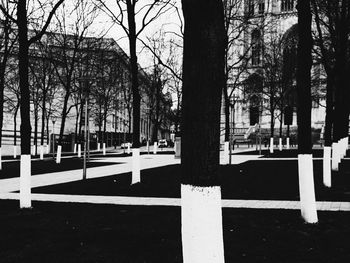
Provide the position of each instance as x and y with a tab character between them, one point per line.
287	5
256	47
261	6
251	7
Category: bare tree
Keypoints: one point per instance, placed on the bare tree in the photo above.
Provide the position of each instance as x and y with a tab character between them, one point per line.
66	49
125	17
7	42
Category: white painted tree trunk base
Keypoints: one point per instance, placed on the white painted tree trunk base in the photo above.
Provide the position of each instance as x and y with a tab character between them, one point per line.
25	182
41	152
59	152
147	146
14	151
271	145
47	149
201	218
335	154
288	145
327	172
155	148
104	148
226	156
280	145
0	159
79	150
128	150
307	188
136	166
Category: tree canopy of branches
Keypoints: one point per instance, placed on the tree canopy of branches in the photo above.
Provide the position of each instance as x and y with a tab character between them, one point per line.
127	14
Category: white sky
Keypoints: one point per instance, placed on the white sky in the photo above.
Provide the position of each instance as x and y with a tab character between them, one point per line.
169	21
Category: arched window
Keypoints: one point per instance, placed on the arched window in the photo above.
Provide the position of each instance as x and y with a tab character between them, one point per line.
256	47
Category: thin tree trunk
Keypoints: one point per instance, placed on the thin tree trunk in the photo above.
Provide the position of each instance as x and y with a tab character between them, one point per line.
2	87
64	116
329	112
15	125
36	117
227	114
43	113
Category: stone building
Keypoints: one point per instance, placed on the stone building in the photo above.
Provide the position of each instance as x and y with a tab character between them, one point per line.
262	80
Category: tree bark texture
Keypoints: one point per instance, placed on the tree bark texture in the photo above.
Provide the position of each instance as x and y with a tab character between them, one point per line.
203	79
23	47
304	77
136	99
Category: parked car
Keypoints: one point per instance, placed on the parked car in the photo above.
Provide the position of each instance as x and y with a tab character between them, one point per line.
125	145
162	143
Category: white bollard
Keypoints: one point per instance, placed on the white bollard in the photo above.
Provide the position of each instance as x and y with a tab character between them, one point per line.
75	148
32	149
334	156
280	144
14	151
25	182
104	148
128	151
288	146
201	224
98	147
155	148
79	150
47	148
41	152
347	142
271	145
327	172
58	157
0	159
307	188
147	146
136	170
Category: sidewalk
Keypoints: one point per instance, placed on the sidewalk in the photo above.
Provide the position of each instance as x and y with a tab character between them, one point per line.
7	186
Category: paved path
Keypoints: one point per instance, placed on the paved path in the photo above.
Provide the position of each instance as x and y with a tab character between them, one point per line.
157	201
8	186
123	166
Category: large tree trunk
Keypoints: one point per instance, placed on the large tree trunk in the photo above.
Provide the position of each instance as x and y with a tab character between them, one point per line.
203	79
341	110
23	76
136	99
23	56
304	63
